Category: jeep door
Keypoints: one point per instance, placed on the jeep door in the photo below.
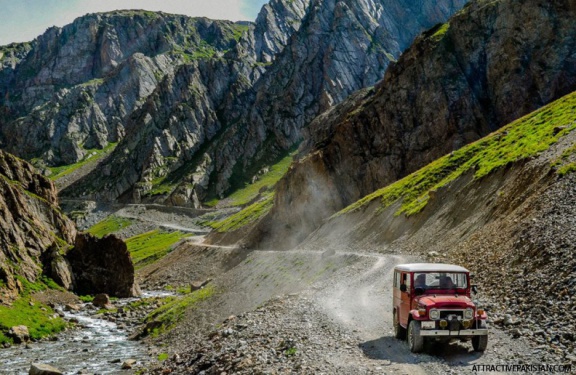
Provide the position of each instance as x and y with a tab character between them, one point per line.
405	278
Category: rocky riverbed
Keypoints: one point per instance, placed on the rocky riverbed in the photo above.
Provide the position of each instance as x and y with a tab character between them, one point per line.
97	343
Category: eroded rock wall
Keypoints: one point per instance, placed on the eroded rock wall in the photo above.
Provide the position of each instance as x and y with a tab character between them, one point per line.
212	121
30	222
494	62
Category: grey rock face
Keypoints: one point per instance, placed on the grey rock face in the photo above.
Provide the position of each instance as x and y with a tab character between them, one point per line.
30	223
76	86
276	23
493	64
207	126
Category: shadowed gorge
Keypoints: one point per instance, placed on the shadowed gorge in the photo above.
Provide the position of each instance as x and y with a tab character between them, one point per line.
456	84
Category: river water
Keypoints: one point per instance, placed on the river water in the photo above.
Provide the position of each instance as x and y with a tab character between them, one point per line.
99	347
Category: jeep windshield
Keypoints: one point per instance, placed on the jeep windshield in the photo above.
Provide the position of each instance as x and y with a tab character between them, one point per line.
440	280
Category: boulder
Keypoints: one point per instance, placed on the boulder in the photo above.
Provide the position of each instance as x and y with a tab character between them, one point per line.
61	272
102	266
197	285
72	307
128	364
43	369
19	334
102	301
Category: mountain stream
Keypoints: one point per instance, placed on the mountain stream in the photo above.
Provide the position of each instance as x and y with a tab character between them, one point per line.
97	346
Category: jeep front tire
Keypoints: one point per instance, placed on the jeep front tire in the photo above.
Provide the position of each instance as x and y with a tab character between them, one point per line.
479	343
415	341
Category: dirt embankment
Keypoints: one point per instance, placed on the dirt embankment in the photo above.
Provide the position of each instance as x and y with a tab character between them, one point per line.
513	229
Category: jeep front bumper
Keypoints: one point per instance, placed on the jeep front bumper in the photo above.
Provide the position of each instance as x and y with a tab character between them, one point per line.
462	332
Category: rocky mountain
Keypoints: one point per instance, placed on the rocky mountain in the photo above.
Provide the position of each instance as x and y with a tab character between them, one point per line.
75	87
353	43
37	239
492	63
30	222
196	106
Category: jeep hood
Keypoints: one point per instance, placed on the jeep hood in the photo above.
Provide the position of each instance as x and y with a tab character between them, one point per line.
445	301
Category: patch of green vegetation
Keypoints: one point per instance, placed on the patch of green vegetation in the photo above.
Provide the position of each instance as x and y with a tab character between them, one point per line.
564	164
262	64
93	82
238	31
168	315
439	31
148	247
37	317
248	215
204	51
290	352
568	168
93	154
109	311
42	284
109	225
521	139
162	357
142	302
265	182
184	290
86	299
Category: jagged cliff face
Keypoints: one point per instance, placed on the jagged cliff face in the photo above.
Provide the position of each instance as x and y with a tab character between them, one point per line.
76	86
340	47
494	62
36	238
195	106
30	222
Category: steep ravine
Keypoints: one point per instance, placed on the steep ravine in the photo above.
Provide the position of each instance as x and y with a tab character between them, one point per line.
215	122
492	63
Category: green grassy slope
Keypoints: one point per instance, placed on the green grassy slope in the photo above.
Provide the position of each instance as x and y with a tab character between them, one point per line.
149	247
521	139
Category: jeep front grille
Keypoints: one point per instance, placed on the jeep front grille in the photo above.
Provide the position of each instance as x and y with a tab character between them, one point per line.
447	314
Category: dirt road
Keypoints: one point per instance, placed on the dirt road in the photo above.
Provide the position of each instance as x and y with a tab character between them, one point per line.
361	301
338	324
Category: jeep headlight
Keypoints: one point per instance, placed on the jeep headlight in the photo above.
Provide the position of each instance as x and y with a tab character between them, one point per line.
434	314
468	313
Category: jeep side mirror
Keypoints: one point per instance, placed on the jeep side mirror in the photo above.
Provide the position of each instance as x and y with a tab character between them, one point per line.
403	288
474	289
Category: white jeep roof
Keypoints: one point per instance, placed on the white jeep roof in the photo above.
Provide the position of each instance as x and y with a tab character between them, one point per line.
430	267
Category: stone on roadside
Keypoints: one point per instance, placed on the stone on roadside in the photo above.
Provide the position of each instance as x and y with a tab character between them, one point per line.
197	285
43	369
328	253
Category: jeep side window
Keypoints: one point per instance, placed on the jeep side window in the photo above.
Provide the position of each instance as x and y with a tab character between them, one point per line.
397	279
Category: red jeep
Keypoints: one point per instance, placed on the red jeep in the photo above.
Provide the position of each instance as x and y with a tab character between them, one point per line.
432	301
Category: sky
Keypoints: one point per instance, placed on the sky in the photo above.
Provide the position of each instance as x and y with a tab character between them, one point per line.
24	20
